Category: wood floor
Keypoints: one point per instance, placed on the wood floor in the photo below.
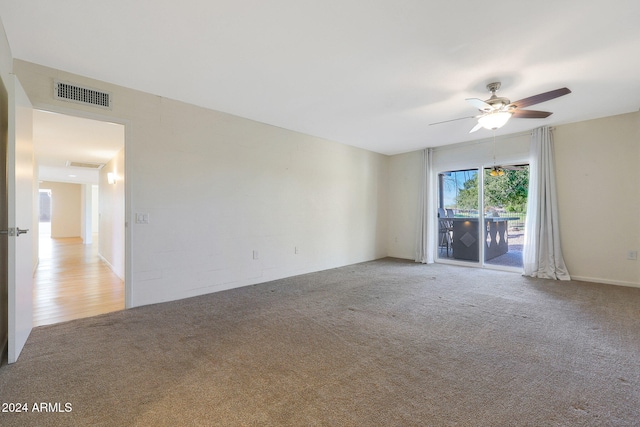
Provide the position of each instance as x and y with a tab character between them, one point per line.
72	282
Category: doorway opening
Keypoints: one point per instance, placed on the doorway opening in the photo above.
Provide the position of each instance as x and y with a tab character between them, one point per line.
81	246
44	213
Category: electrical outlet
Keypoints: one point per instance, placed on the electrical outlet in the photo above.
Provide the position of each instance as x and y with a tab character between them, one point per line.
296	250
255	255
632	255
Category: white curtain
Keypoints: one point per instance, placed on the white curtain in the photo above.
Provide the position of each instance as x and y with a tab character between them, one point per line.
425	245
542	254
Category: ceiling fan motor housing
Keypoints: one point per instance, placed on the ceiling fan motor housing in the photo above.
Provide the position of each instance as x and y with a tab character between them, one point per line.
496	102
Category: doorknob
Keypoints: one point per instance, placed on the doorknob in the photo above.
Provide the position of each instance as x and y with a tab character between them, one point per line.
19	232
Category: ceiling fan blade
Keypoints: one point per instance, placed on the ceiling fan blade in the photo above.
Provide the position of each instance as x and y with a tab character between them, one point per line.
530	114
475	128
479	104
453	120
512	168
541	97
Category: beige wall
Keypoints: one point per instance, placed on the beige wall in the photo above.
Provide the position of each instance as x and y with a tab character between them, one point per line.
404	188
111	215
598	183
66	208
597	169
86	232
218	188
95	212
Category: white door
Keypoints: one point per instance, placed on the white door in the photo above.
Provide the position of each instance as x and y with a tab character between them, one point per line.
20	191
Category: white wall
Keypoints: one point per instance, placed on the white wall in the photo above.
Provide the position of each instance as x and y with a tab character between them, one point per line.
218	187
111	222
507	149
598	180
66	208
224	187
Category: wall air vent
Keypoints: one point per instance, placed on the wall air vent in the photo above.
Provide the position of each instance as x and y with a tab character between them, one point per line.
85	165
82	95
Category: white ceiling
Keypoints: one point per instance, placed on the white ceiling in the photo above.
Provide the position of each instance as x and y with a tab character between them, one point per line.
369	73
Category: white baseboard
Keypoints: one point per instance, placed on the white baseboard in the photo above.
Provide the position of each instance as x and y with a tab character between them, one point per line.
35	267
605	281
110	267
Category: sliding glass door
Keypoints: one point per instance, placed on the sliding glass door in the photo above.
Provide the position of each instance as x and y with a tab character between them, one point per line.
505	208
491	235
458	216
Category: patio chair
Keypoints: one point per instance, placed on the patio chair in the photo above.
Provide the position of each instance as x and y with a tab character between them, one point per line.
445	231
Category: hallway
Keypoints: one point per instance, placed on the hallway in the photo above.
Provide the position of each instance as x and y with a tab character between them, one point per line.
73	282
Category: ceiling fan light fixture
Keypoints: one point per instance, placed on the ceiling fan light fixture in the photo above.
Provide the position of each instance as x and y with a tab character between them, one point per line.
494	120
495	171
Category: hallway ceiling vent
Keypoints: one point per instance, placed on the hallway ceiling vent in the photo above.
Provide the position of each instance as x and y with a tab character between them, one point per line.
85	165
82	95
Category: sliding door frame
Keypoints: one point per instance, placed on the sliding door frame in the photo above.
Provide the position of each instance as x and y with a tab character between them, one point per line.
481	263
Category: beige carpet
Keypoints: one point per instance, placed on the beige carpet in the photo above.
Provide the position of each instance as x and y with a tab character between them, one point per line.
383	343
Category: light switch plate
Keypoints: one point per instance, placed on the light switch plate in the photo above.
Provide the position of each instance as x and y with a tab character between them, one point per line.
142	218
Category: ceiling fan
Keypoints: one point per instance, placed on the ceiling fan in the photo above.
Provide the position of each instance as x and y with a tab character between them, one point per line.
496	111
